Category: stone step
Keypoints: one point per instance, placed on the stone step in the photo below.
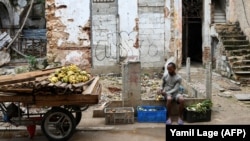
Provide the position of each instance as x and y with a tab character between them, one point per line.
231	33
238	58
242	72
236	47
235	42
239	52
228	29
219	14
242	67
218	10
240	37
246	78
219	21
220	17
246	61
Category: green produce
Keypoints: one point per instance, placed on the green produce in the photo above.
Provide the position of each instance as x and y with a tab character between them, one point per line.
201	106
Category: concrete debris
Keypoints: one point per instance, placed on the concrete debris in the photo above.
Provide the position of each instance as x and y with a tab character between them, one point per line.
225	94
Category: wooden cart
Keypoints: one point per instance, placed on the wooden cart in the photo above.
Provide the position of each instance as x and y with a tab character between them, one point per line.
64	102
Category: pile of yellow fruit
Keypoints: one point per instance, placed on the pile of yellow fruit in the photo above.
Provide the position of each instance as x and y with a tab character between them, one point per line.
69	74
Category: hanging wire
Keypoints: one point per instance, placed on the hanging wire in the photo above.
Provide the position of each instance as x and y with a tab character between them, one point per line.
243	3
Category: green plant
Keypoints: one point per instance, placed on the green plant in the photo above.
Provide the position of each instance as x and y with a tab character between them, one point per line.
32	62
201	106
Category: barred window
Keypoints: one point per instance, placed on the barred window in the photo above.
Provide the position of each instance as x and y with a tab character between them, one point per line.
103	1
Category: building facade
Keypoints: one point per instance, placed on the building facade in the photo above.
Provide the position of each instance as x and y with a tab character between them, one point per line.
102	34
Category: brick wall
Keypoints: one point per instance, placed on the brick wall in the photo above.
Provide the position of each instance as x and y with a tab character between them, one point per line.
104	33
151	32
68	32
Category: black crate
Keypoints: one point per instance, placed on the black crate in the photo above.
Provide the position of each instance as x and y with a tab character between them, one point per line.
192	116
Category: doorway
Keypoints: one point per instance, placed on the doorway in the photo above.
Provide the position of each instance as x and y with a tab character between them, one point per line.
192	30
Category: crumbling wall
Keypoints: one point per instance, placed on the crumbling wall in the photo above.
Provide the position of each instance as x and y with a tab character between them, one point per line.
176	38
151	32
144	30
68	32
104	33
242	11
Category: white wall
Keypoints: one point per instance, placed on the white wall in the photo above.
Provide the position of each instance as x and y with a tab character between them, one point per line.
74	17
127	32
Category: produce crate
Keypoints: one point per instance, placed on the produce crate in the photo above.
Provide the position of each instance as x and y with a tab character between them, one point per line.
151	114
119	115
192	116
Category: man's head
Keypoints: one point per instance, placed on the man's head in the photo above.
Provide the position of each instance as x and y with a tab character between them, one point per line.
171	68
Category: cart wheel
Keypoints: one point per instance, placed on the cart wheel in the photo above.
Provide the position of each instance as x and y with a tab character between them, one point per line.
58	124
77	115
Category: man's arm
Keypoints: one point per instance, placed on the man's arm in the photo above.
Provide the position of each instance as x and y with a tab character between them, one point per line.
176	87
163	83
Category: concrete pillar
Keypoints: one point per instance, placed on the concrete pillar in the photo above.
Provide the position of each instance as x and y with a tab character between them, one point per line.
209	80
206	37
188	69
131	84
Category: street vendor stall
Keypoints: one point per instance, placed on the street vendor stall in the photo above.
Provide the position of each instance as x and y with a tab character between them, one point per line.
64	91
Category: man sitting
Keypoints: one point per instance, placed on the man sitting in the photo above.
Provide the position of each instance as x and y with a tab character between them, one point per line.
170	90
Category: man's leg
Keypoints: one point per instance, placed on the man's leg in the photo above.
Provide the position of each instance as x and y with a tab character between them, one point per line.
181	106
180	101
168	104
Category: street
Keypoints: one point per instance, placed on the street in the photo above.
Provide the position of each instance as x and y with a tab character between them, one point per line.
139	134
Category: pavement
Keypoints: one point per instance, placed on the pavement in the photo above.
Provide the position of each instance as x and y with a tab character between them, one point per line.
93	129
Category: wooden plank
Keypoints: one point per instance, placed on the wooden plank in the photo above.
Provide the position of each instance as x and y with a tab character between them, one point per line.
28	76
58	100
42	78
91	87
17	98
78	85
17	90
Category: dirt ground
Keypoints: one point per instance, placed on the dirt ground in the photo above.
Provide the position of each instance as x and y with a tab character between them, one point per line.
226	108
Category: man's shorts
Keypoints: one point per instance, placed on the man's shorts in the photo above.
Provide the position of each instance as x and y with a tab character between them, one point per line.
175	97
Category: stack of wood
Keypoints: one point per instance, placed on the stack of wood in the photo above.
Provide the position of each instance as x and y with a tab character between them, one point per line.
37	83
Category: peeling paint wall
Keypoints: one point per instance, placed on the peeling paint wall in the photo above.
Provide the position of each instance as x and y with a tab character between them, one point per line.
138	30
242	11
128	30
167	28
177	28
107	34
68	31
104	32
151	32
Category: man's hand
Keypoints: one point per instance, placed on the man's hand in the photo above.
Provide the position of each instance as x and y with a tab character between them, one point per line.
160	91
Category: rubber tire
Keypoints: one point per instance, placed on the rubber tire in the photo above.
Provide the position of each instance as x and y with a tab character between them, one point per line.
78	115
65	113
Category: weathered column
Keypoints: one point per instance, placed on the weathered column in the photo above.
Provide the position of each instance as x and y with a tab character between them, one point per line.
188	69
209	80
206	37
131	84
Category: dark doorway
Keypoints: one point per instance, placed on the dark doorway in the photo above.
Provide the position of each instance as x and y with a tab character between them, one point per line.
192	30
